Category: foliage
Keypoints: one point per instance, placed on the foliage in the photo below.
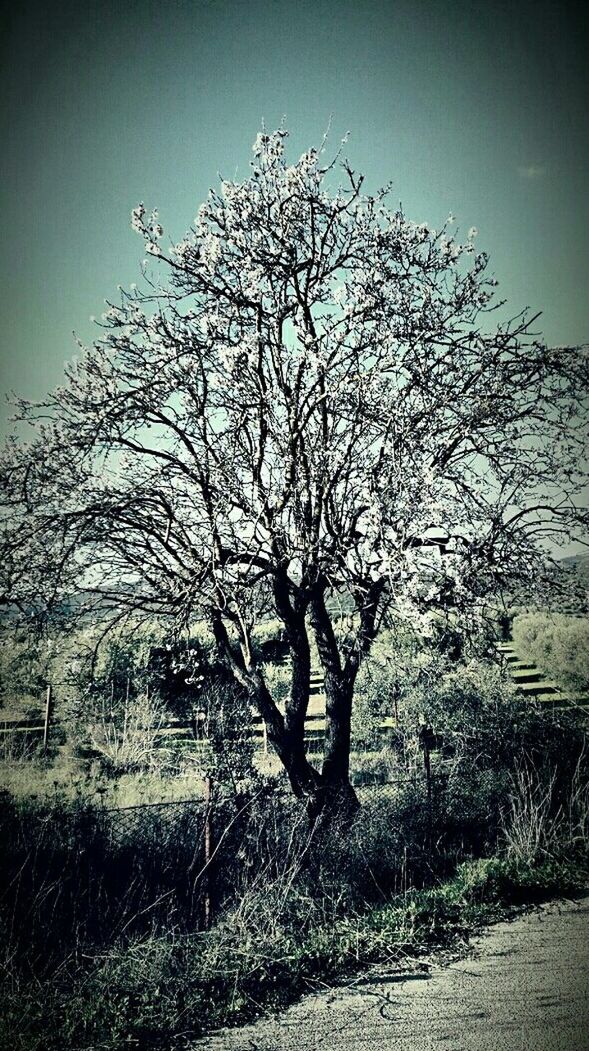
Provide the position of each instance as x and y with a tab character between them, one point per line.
227	735
400	672
23	668
126	732
409	679
100	910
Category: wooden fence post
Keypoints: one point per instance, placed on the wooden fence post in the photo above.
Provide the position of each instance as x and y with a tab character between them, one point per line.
48	705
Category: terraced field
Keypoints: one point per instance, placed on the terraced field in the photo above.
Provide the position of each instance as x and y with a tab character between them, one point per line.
529	679
533	683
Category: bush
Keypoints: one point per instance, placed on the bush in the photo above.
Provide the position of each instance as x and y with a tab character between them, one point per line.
23	669
399	673
125	733
226	730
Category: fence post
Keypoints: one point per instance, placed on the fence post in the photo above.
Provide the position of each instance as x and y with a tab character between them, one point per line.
48	701
427	740
207	845
428	771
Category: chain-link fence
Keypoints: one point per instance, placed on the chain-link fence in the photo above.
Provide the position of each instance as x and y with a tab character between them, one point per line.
74	875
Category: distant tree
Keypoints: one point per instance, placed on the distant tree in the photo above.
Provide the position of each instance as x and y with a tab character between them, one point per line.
305	402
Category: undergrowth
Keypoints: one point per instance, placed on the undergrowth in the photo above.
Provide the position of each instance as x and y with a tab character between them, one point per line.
104	940
301	913
165	991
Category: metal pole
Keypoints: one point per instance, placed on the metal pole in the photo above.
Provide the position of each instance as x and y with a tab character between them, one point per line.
47	718
207	846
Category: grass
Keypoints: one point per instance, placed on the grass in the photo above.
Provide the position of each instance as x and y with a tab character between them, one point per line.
165	991
26	774
129	966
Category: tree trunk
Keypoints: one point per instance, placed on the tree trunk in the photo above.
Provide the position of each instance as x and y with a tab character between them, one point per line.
332	805
338	795
328	796
286	737
292	608
338	719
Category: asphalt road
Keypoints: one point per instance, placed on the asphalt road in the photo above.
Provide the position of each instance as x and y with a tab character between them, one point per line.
524	987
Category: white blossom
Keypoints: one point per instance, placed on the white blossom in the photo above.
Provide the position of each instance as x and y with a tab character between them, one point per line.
137	218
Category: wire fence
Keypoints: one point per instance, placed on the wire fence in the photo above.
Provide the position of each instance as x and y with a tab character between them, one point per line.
79	874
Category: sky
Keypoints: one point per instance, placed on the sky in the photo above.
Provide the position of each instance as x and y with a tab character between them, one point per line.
474	108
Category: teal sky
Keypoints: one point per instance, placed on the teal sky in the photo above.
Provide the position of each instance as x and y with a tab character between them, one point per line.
478	108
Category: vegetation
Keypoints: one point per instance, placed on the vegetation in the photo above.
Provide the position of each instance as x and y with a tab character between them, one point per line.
294	916
102	912
308	410
163	992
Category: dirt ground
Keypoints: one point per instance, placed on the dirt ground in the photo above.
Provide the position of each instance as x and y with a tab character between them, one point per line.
523	987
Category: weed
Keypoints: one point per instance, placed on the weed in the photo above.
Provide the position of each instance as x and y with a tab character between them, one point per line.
541	822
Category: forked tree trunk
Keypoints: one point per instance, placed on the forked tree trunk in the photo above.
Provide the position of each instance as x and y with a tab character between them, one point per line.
336	796
327	794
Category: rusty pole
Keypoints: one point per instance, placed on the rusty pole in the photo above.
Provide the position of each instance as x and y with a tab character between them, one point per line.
48	700
207	846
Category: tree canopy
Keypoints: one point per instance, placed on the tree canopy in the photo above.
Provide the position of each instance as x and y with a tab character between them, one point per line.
309	397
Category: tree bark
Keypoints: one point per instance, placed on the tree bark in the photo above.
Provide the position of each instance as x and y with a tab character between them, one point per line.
285	734
339	692
335	794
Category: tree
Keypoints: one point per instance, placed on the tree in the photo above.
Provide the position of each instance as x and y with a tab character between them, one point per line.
305	403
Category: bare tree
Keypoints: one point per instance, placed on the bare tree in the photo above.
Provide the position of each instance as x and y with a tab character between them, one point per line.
305	401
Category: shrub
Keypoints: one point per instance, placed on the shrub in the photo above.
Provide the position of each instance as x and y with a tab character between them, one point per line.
398	674
226	730
125	733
